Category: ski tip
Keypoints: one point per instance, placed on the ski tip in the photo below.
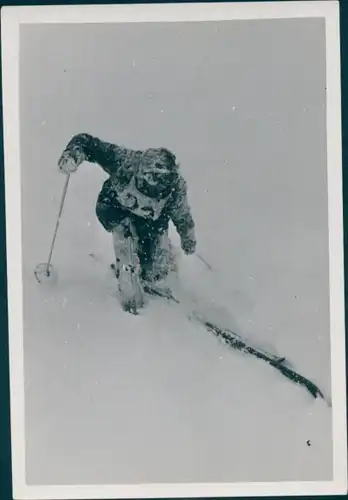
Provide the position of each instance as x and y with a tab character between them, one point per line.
326	399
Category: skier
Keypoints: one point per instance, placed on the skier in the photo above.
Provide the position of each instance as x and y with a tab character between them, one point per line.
144	191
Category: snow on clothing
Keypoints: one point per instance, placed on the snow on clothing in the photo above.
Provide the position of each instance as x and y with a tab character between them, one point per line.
144	191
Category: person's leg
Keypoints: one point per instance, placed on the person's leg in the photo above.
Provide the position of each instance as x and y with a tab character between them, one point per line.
127	269
117	221
156	256
163	258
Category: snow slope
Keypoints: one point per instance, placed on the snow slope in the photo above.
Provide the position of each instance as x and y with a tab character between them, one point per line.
113	398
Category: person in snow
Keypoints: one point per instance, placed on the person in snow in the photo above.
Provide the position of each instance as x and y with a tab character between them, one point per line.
143	193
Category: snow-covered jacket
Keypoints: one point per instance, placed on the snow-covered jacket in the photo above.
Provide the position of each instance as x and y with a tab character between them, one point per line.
122	164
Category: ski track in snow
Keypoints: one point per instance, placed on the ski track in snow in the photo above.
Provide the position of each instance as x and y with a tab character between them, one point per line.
116	398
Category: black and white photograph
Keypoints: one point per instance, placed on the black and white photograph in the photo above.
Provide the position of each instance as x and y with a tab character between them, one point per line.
173	183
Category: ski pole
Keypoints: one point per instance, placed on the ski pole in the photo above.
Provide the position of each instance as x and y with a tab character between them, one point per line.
57	223
204	261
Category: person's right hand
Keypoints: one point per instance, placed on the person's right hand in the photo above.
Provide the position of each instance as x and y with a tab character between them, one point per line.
70	160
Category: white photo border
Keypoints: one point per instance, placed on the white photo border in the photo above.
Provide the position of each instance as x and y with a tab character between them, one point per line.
11	19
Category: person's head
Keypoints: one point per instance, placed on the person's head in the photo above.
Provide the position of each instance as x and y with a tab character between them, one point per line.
157	173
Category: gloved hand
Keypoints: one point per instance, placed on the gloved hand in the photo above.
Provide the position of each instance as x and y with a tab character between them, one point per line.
188	244
70	160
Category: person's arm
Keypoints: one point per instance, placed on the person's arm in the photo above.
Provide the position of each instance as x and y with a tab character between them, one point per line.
181	216
85	147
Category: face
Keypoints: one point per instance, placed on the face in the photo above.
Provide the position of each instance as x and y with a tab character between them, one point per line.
156	174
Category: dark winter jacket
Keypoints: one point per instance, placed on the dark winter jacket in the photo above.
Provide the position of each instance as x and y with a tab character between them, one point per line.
122	165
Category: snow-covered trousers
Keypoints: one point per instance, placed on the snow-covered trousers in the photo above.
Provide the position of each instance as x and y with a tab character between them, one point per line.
142	244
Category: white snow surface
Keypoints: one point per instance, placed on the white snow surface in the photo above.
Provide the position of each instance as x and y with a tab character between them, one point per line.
116	398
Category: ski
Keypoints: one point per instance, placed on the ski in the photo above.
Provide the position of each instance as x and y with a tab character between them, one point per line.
237	342
158	291
152	289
